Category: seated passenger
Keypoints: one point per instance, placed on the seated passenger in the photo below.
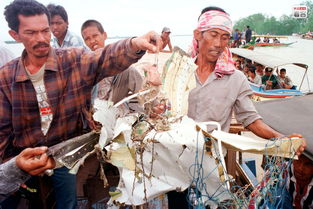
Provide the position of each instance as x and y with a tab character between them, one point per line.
270	80
252	76
266	40
246	69
275	40
238	65
284	80
259	69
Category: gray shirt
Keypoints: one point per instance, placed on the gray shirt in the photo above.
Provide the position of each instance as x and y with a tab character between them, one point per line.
257	79
285	80
120	86
217	98
11	177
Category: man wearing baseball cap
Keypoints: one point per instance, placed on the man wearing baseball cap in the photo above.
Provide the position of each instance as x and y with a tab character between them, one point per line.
270	80
166	40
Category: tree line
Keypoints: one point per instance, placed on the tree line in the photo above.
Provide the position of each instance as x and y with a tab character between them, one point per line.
285	25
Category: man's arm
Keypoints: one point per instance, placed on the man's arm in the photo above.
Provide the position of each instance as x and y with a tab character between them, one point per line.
6	128
169	46
246	113
150	42
288	84
261	129
114	58
31	161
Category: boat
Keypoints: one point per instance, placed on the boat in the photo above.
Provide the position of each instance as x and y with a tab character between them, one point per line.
270	36
260	93
273	44
275	41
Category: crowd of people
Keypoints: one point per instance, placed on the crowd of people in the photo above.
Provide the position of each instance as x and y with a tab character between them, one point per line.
46	94
261	75
244	37
241	37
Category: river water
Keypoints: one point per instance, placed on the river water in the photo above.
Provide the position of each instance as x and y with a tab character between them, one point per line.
301	51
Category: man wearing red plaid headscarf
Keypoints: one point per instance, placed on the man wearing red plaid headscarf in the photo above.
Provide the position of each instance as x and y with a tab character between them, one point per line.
221	89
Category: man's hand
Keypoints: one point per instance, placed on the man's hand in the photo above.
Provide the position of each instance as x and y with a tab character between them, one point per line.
259	128
150	41
157	110
270	83
303	145
34	160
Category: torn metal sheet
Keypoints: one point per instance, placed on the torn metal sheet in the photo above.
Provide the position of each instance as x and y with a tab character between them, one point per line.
73	152
283	147
163	163
164	160
178	80
106	114
119	154
70	152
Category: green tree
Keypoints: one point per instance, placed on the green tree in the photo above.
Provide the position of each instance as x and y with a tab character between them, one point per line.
285	25
289	25
307	24
255	22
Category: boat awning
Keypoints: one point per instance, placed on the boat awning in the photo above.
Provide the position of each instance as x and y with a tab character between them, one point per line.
265	59
291	115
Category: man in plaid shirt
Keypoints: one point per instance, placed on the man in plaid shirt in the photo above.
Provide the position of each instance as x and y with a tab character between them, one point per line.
45	95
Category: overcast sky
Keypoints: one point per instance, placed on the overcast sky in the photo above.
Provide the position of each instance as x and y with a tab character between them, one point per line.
135	17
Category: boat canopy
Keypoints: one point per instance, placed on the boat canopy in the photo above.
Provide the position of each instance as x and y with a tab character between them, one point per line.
269	60
265	59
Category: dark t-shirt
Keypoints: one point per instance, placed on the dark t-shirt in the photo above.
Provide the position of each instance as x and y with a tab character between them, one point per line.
272	78
248	34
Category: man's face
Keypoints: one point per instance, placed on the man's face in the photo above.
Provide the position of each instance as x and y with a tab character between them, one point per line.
93	38
303	168
166	34
212	43
282	74
238	64
58	26
34	33
268	73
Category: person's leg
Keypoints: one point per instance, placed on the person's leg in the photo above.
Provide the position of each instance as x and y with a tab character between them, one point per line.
88	170
64	185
